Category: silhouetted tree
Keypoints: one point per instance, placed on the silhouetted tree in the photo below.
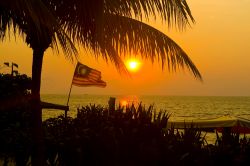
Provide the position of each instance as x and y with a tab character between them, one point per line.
32	20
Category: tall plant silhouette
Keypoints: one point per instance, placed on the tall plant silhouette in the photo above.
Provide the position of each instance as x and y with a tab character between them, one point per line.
110	28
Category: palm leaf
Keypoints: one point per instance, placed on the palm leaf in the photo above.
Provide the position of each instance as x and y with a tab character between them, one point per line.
33	20
23	10
127	35
108	28
173	11
83	20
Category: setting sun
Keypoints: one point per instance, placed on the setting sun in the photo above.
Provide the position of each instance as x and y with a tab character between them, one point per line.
133	65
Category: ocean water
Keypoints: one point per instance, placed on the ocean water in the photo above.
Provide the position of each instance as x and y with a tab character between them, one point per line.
180	107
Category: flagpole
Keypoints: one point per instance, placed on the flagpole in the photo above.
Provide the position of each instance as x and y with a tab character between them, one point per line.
66	111
69	95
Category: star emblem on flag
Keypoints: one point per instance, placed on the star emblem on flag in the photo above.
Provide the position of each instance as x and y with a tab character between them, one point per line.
82	71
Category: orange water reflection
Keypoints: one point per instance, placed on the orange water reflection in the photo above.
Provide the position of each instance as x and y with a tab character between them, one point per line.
128	100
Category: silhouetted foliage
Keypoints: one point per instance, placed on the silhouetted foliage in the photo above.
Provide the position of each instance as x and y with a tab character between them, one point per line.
125	136
15	140
14	91
19	85
132	135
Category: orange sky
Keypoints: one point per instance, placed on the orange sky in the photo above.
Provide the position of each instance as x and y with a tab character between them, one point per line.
219	45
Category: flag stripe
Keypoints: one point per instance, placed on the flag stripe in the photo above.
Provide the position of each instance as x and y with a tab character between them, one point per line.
97	76
83	83
95	71
86	79
90	83
101	84
94	75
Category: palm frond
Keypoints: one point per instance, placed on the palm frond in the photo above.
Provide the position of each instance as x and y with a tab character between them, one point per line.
173	11
23	10
107	27
84	19
127	35
108	52
33	20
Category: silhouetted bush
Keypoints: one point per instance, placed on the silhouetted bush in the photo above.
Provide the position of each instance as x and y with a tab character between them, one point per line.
125	136
131	136
15	138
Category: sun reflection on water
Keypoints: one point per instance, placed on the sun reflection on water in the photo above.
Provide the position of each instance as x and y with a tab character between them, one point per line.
128	100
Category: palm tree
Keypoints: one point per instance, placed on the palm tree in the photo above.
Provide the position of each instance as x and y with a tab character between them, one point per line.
111	28
32	20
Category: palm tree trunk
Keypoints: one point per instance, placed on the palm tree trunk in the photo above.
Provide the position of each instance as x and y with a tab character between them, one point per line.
37	158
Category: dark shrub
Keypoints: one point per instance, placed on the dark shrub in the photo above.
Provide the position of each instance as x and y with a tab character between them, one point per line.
125	136
15	140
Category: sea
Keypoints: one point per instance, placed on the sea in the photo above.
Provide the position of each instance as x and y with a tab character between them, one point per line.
179	107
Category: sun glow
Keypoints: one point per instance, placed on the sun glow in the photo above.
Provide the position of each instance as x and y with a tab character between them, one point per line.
123	103
133	65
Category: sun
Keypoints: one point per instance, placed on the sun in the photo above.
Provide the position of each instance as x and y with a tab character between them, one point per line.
133	65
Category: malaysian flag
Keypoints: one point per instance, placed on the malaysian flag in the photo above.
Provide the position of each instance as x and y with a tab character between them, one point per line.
86	76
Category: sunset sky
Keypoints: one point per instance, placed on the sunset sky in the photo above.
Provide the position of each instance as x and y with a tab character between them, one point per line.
218	43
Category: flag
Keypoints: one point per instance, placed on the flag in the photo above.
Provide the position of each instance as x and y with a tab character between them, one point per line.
14	64
7	64
86	76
